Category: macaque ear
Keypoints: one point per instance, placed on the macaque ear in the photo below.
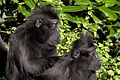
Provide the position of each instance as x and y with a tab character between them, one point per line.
76	54
38	23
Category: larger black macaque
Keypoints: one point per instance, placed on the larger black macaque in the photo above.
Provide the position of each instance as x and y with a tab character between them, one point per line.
32	44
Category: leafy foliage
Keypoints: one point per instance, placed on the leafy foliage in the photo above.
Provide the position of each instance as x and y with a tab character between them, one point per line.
101	17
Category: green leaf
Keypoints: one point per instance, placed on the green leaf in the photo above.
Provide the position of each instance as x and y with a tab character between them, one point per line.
112	32
23	10
73	8
117	77
118	58
110	72
30	3
47	0
35	1
97	20
109	13
118	71
75	19
16	1
82	2
20	8
109	4
115	9
103	76
21	3
27	14
110	1
101	45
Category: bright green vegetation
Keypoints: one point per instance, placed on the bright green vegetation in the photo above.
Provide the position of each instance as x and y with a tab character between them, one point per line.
101	17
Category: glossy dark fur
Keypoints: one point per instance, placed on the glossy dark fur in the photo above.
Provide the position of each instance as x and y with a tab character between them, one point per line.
32	44
81	63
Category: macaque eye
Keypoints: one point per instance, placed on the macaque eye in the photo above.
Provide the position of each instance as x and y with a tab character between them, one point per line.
55	23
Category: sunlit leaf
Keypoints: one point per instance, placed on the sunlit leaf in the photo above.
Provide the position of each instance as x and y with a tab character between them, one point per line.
101	45
110	1
73	8
82	2
115	9
96	20
109	13
23	10
112	32
75	19
118	71
30	3
16	1
48	0
109	4
35	1
110	72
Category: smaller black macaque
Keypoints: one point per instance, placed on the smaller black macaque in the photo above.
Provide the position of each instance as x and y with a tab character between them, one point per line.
80	64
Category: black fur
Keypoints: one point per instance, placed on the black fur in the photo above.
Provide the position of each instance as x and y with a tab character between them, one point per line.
32	44
81	63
